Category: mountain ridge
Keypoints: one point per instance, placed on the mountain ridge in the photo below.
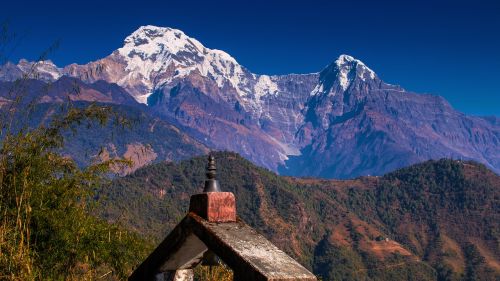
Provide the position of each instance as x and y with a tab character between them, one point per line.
343	121
143	139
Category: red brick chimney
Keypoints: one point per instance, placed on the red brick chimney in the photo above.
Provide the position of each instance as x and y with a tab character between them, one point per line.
212	204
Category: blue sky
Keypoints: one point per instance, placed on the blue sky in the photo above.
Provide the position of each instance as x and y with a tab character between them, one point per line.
449	48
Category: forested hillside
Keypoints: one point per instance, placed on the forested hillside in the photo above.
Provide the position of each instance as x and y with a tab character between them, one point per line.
438	220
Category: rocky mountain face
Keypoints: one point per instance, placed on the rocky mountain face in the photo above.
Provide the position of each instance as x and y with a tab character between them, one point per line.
146	138
355	123
437	220
341	122
64	89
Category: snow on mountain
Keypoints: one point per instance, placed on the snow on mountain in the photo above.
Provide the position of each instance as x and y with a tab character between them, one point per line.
151	50
346	65
158	57
265	86
154	57
44	70
343	71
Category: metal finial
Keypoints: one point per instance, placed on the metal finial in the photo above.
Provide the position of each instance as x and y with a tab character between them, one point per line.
211	169
211	184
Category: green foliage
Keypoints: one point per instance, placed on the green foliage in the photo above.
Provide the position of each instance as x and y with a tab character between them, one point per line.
337	263
475	267
46	231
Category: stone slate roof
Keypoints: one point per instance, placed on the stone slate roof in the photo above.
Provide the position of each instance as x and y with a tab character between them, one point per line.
249	254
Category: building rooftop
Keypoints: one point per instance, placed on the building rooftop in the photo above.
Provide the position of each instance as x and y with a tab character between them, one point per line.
212	225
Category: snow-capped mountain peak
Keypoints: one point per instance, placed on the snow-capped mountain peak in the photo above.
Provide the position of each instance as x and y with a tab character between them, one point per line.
157	56
343	71
349	67
151	50
150	41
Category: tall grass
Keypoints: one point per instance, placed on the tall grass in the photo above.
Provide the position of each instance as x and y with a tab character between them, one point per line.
213	273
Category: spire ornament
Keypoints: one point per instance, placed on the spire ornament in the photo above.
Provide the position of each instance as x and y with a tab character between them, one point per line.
211	184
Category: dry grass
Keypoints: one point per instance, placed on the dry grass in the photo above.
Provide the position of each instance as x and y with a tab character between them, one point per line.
454	255
213	273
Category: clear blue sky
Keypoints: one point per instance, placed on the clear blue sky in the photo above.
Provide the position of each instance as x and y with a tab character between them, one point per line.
449	47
